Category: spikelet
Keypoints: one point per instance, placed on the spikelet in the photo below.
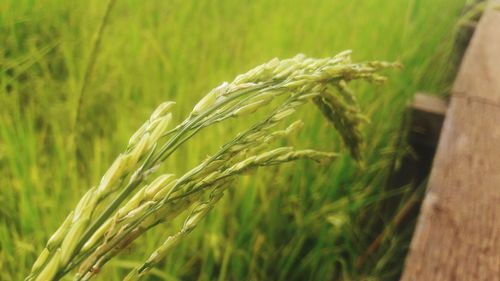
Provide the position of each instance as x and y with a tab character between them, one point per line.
40	261
114	173
56	238
210	99
71	240
50	270
96	236
248	109
158	184
162	110
283	114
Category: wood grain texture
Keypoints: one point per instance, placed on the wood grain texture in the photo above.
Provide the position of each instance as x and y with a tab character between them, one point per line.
480	69
430	103
458	233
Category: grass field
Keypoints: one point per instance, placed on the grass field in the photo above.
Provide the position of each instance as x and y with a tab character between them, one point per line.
298	222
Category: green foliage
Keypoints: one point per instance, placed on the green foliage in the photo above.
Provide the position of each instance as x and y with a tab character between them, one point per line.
299	222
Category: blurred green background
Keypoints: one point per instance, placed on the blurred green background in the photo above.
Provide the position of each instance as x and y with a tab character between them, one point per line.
298	222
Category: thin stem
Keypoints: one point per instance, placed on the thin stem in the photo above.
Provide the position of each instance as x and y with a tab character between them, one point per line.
91	62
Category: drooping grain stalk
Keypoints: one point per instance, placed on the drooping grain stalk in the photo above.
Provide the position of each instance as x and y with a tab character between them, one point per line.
122	206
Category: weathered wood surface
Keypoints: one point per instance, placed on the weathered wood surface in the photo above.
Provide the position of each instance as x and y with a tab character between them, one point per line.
480	70
430	103
458	232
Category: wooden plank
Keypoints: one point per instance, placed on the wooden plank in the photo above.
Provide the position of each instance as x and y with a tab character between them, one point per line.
480	69
458	232
430	103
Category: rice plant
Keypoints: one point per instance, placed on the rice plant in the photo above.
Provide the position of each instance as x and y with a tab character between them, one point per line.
132	197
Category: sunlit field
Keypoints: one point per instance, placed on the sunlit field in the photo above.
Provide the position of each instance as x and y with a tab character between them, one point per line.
299	221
